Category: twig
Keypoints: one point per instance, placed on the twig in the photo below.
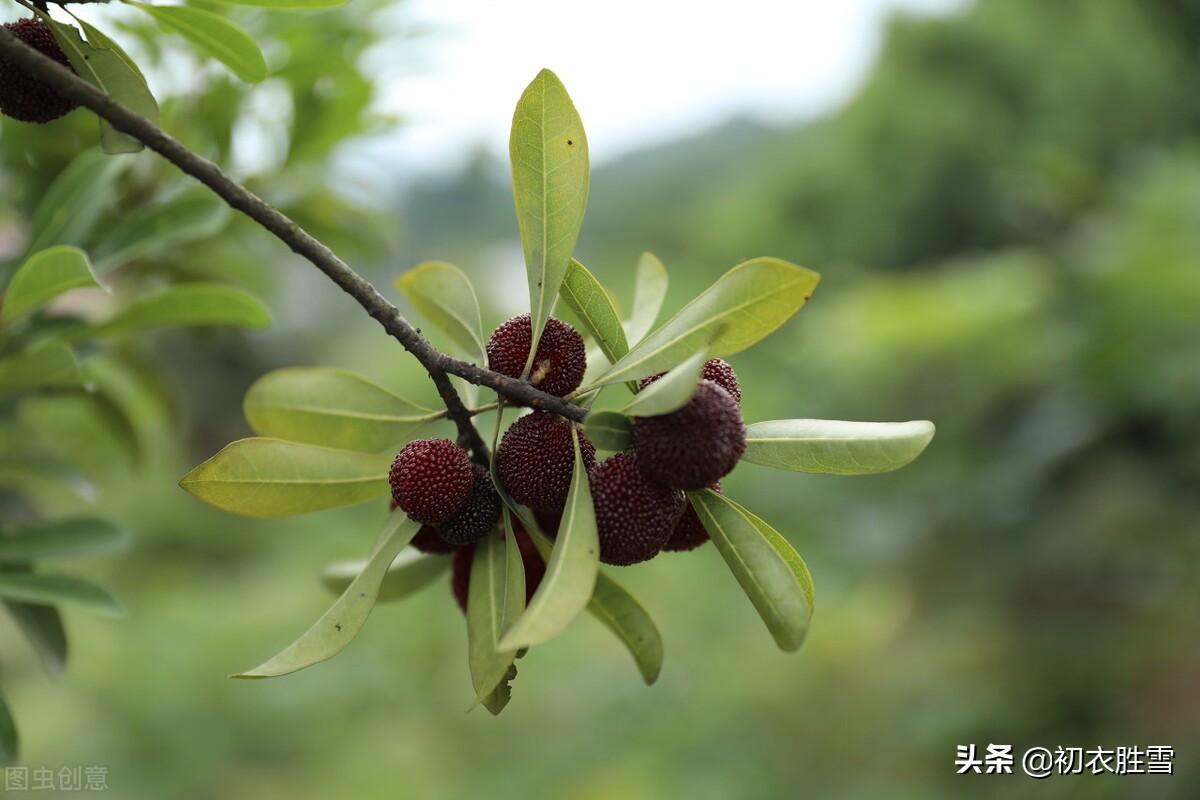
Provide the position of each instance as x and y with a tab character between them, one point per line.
437	364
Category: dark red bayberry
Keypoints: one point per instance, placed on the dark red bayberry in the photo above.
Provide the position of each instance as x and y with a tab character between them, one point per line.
695	446
716	370
22	96
536	459
689	533
460	569
561	358
431	479
634	515
427	539
478	515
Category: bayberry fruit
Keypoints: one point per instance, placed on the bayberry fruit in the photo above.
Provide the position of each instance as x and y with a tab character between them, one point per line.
695	446
431	479
716	370
478	514
634	515
22	96
427	539
561	358
536	459
689	533
460	569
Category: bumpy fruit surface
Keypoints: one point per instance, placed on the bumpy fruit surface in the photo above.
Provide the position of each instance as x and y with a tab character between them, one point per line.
716	370
695	446
427	539
431	479
22	96
689	532
478	515
634	515
460	569
561	358
536	459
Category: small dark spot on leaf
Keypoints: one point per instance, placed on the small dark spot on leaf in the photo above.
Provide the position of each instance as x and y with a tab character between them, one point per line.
337	625
569	142
362	594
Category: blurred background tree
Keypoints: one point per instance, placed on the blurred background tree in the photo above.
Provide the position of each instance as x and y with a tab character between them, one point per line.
1007	218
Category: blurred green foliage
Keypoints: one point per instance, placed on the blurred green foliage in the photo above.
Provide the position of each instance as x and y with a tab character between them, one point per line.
1007	218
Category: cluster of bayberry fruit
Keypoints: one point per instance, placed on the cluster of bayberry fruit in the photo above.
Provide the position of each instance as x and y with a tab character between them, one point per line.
22	96
638	495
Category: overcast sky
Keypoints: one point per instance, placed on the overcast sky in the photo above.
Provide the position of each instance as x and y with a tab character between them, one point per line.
639	70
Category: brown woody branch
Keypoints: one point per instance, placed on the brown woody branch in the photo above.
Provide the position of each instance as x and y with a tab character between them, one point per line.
436	363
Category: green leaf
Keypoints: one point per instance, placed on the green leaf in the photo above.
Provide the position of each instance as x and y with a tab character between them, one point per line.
571	570
671	392
609	430
69	209
549	153
112	73
341	623
592	303
43	627
29	587
741	308
443	293
99	38
156	229
769	570
44	276
8	735
185	305
836	448
81	536
625	617
333	408
649	292
52	365
494	602
411	572
286	5
213	35
272	478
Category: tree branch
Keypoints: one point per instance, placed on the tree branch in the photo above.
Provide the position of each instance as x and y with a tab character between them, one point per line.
437	364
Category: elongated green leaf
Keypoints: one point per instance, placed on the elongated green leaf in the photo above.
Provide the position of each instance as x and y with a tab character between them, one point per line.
625	617
156	229
287	5
609	430
411	572
32	587
46	275
9	742
52	365
214	36
671	392
444	294
69	209
98	38
274	478
649	292
549	153
81	536
186	305
341	623
836	448
741	308
43	627
112	73
571	570
592	303
769	570
333	408
494	602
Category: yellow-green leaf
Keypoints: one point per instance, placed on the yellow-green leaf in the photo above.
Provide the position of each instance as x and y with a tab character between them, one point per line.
213	35
77	536
741	308
44	276
609	430
444	294
32	587
184	305
332	408
51	365
411	572
494	602
671	392
274	478
649	292
594	307
338	626
836	448
550	171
